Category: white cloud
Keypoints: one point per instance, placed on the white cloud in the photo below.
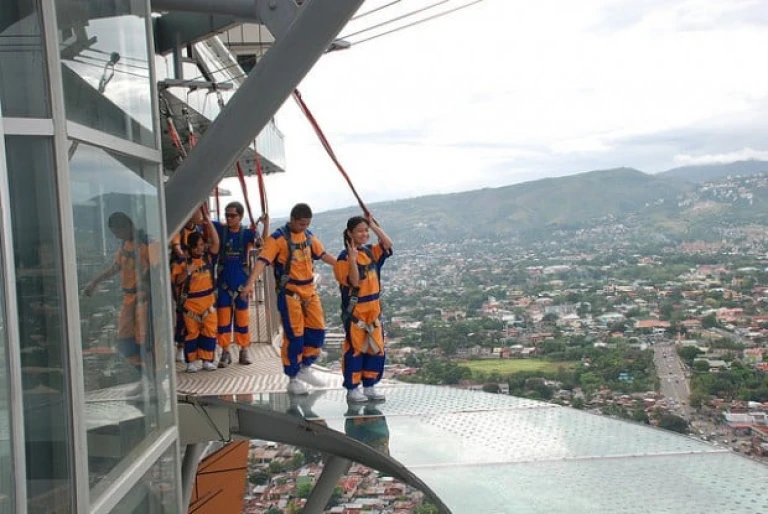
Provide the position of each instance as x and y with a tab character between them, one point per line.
744	154
507	90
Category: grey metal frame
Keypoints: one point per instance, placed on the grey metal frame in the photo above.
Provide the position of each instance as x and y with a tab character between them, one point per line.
271	82
113	143
13	356
75	387
28	126
154	95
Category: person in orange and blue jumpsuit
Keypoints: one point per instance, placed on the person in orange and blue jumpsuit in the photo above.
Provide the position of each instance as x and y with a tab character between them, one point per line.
199	223
235	241
358	271
291	250
133	260
197	295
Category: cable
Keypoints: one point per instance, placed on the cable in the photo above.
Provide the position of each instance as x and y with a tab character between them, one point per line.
380	8
396	18
433	17
116	71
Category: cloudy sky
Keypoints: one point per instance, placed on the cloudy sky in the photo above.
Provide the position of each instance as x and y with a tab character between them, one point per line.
508	91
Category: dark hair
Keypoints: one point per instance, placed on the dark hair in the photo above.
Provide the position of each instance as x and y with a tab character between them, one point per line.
301	211
236	206
351	224
193	239
119	220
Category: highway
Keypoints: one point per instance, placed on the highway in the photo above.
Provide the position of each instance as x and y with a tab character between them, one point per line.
671	371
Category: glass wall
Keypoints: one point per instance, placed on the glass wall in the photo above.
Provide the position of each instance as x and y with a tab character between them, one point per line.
39	279
105	67
23	82
7	477
117	232
155	493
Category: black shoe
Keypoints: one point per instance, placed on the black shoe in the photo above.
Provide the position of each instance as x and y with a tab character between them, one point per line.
226	358
245	357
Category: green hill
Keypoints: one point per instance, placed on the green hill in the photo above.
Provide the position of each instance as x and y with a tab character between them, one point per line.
570	202
707	172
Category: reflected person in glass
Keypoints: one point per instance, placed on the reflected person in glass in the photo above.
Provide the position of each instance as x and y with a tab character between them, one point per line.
358	271
368	425
133	260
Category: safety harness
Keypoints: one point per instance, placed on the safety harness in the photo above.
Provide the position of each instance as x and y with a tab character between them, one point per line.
185	295
284	278
347	314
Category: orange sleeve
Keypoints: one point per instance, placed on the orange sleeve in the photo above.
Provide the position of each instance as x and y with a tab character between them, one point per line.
270	251
341	271
317	248
175	240
177	270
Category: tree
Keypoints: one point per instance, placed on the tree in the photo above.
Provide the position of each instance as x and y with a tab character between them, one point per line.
701	366
304	490
274	510
689	353
673	423
709	321
427	508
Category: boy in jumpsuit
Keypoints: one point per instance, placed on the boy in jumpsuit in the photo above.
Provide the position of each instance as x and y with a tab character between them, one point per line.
291	250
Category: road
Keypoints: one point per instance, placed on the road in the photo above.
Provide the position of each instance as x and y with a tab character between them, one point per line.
674	386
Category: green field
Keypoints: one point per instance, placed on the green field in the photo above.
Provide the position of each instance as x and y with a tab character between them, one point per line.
512	366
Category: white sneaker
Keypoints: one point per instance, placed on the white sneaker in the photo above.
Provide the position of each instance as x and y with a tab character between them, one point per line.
191	367
355	396
209	366
180	354
308	376
296	387
372	394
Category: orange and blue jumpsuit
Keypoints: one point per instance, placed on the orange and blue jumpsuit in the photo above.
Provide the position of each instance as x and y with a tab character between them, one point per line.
298	302
199	308
181	240
135	260
363	356
232	265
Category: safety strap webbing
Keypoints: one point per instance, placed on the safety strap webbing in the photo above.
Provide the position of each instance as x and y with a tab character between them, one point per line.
327	146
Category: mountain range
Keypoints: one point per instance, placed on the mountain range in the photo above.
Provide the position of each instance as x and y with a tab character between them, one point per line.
571	202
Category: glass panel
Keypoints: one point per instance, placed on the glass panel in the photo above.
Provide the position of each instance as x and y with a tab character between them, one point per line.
43	344
7	476
156	492
105	67
122	308
23	81
482	452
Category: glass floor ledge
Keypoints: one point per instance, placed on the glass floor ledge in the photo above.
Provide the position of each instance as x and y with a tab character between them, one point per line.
488	453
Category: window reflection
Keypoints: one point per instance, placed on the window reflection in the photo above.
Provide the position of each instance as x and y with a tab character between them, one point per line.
122	308
155	493
105	67
37	255
23	82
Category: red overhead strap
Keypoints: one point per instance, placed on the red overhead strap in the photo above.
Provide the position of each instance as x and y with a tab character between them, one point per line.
327	146
244	186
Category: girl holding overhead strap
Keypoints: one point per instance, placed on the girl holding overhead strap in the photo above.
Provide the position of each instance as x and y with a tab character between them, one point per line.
358	270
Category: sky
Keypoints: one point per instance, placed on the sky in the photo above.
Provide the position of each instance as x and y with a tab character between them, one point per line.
508	91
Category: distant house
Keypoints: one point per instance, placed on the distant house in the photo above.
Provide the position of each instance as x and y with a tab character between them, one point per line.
651	324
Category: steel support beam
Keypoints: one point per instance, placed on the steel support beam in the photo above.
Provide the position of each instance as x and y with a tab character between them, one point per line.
333	469
252	106
255	422
189	471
